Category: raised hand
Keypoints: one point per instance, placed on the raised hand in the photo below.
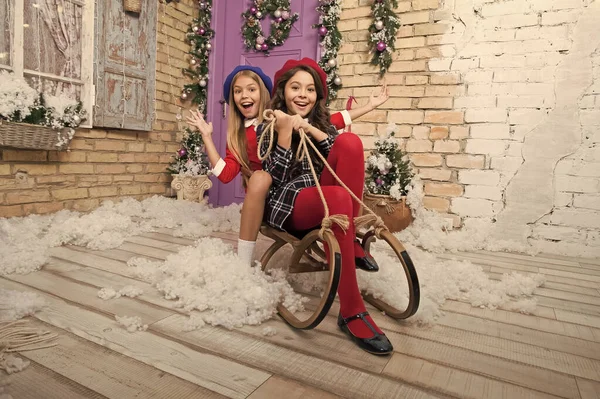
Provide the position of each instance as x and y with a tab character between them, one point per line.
379	96
197	120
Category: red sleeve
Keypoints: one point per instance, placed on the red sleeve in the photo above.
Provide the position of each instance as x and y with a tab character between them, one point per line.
337	120
231	169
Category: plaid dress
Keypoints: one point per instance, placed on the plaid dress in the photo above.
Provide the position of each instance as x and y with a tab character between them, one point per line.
284	190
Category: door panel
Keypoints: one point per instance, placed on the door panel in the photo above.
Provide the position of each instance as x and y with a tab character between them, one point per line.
230	52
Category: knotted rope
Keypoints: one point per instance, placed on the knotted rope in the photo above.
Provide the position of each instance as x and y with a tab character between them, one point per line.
16	337
371	219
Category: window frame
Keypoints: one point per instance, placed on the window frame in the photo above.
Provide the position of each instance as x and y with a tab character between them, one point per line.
87	54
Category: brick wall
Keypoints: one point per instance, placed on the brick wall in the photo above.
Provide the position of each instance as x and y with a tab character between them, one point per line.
106	164
498	104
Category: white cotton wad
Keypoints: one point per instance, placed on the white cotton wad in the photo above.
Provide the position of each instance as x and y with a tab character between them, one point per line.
131	323
24	241
211	279
15	305
442	279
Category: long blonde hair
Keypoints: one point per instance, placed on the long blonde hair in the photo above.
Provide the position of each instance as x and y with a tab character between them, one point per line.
236	132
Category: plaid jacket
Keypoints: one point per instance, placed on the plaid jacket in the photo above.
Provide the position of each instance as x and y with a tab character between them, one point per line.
283	192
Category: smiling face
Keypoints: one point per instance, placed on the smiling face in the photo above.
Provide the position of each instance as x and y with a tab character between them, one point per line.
246	95
300	94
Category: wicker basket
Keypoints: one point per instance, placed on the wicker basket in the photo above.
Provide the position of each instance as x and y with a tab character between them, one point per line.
132	6
395	214
34	137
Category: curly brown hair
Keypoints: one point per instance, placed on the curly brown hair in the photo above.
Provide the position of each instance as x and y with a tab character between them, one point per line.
319	116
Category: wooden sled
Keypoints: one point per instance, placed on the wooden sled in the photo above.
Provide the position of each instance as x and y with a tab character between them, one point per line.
303	261
414	291
308	256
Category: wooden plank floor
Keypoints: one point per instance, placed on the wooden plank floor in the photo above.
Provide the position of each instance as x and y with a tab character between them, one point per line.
469	353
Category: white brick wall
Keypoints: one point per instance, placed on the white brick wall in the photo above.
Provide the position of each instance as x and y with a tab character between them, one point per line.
509	57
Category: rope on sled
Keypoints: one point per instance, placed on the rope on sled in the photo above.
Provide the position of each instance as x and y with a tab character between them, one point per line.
366	221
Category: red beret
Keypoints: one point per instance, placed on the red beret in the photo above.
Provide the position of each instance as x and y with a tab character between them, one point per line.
309	62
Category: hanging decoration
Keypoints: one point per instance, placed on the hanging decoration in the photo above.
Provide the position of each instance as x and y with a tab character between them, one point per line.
382	31
199	35
282	20
330	41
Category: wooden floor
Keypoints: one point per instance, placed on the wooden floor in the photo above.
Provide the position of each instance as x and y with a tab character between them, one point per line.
469	353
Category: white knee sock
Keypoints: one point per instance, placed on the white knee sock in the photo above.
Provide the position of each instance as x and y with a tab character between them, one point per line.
246	251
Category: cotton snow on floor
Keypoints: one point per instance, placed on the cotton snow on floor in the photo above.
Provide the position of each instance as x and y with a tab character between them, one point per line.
209	279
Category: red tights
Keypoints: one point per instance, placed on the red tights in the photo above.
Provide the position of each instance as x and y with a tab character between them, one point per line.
347	160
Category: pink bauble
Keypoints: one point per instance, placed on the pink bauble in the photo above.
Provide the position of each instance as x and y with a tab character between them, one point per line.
260	40
322	31
264	47
381	46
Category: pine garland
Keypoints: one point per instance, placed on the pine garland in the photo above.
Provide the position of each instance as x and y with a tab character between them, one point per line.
281	24
382	31
199	35
331	40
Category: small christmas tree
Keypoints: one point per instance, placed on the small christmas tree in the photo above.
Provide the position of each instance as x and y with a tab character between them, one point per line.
190	159
388	168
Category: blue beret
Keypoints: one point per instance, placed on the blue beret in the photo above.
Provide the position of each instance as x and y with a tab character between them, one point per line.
227	85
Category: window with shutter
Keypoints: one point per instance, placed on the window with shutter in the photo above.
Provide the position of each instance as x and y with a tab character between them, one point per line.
125	65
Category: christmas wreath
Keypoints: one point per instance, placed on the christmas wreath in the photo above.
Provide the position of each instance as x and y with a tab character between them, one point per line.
281	23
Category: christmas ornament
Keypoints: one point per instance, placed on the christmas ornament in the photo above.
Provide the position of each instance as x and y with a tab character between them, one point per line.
379	25
337	81
381	46
182	152
202	83
277	14
201	31
332	63
322	31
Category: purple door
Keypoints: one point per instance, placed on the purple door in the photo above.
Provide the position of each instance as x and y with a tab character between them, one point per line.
230	52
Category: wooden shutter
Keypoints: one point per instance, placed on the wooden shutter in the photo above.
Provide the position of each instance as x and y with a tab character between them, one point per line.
125	65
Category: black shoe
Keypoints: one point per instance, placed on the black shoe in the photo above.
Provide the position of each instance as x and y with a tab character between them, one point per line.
378	344
367	263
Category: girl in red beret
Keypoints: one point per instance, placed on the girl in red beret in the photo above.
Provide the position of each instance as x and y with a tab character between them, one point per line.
247	91
293	203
